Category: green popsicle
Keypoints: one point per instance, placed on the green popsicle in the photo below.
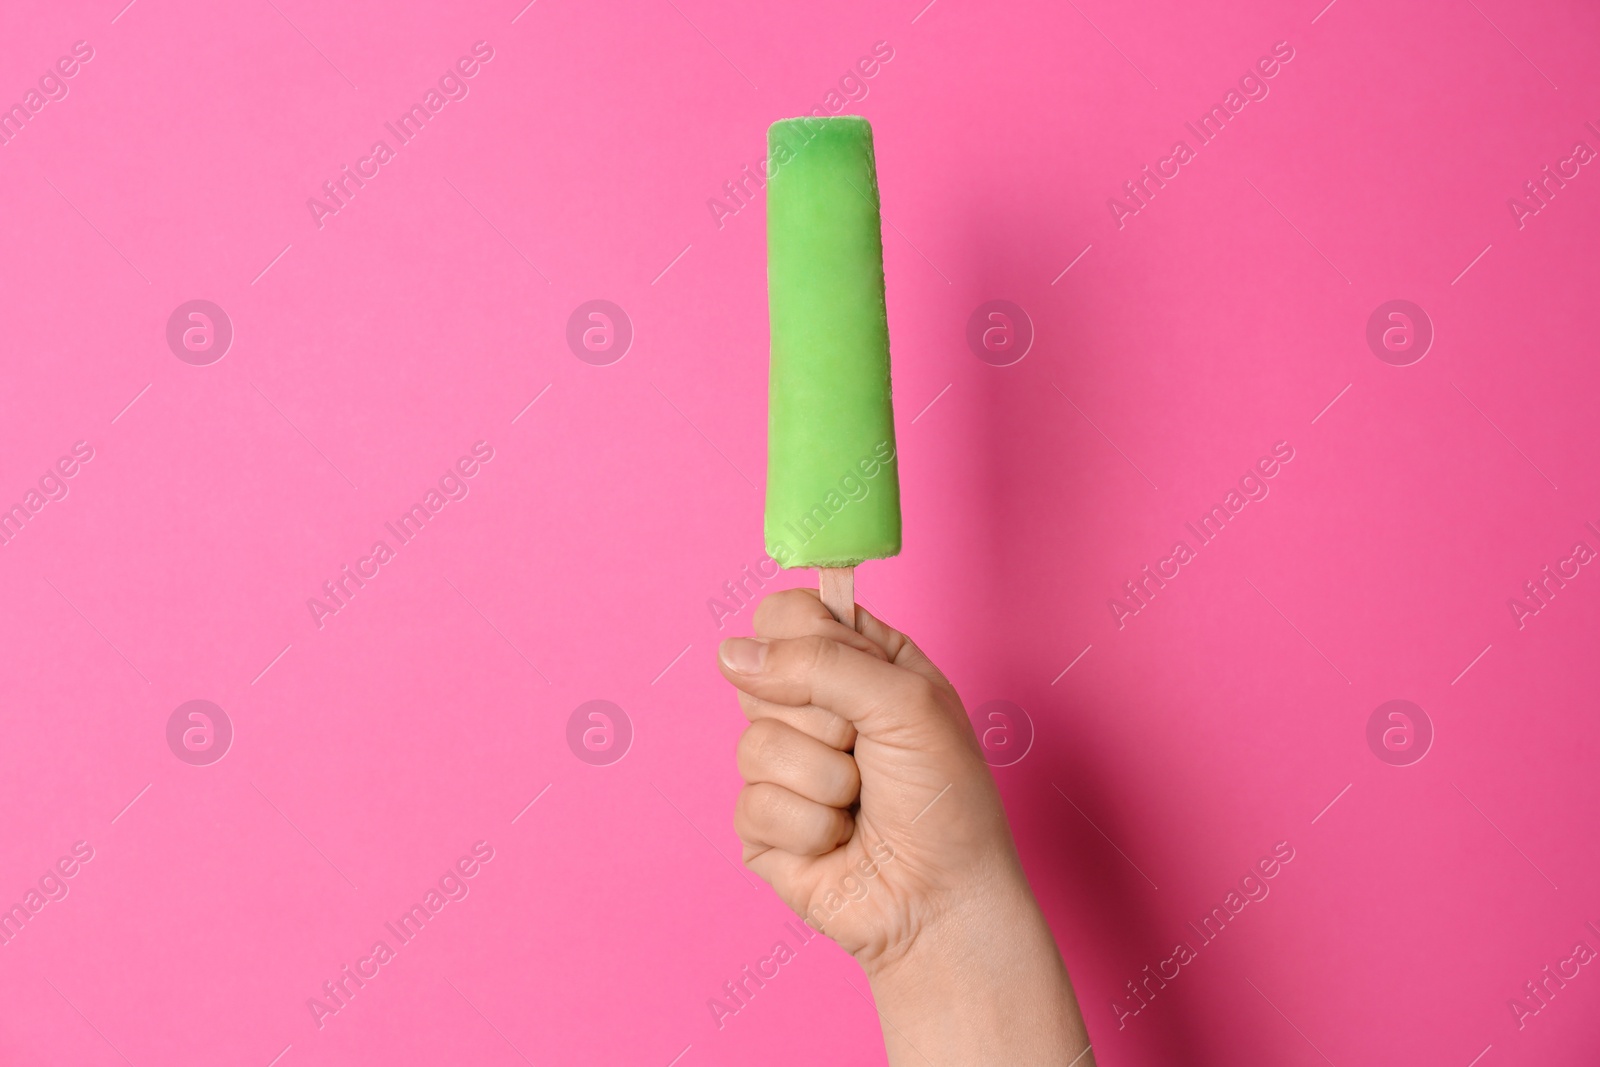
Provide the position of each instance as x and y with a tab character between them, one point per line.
833	487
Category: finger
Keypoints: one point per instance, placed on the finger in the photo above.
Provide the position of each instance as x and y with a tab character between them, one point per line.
800	613
770	816
901	650
771	751
825	726
792	876
877	697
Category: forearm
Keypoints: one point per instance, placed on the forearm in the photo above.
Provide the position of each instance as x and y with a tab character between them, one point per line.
984	985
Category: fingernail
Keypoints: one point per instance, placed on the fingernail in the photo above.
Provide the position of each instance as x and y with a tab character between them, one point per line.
744	654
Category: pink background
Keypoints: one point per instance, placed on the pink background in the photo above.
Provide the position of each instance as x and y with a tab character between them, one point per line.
369	354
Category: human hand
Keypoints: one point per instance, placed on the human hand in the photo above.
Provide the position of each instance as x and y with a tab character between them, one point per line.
869	808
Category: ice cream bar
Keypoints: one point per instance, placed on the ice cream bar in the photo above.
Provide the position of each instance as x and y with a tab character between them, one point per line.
833	487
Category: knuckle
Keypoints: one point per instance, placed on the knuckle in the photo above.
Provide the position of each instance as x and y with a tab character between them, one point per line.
761	622
842	784
774	608
851	773
816	652
837	732
830	829
913	689
753	814
741	815
760	803
756	744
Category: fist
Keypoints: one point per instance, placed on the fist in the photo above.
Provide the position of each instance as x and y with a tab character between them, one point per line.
867	803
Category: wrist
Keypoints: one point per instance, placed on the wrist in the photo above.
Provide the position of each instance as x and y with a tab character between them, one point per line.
983	977
964	933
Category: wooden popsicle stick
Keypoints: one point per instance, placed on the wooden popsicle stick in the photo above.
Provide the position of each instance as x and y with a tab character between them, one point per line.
838	586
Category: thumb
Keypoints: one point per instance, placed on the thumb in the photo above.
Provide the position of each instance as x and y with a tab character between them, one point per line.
880	698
